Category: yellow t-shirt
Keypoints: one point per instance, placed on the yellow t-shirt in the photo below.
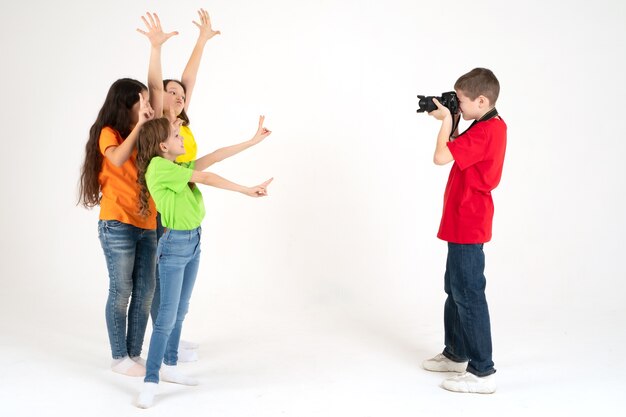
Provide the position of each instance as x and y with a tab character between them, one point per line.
189	142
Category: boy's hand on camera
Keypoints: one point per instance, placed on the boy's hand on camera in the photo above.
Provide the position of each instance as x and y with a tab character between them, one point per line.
155	33
441	113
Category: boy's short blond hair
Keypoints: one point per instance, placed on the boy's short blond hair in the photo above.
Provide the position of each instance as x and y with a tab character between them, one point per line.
477	82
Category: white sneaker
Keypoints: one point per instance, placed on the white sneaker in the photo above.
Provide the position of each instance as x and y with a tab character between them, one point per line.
186	344
442	364
187	355
172	374
471	383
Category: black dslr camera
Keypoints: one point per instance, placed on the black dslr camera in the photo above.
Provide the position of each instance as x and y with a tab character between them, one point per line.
448	100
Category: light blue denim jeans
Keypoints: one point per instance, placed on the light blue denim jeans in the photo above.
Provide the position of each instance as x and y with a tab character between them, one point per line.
130	254
178	257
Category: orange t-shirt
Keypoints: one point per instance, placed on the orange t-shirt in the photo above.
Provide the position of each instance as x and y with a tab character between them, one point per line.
119	188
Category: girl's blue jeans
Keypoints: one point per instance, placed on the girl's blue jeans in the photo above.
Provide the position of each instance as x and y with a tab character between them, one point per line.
130	254
178	258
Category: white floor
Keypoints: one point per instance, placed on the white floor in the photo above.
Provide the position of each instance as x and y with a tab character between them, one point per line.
315	361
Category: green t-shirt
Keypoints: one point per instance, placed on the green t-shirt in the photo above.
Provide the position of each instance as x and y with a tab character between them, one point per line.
181	206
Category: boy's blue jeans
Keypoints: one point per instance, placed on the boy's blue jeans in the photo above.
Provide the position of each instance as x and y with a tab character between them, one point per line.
466	314
178	257
130	256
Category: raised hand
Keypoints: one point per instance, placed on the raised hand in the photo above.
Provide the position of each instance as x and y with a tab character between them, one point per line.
155	33
206	31
261	132
146	112
259	190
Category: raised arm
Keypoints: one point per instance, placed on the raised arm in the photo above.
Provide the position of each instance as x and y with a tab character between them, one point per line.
442	152
214	180
157	38
191	70
120	154
226	152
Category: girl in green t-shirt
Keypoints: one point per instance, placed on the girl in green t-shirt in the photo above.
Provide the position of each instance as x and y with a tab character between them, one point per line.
173	189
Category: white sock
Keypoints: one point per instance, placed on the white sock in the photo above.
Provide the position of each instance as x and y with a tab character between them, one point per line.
146	396
187	355
172	374
186	344
138	359
126	366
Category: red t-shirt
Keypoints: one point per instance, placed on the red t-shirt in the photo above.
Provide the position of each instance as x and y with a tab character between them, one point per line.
467	204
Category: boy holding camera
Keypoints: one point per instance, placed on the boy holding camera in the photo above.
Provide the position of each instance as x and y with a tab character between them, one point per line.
478	155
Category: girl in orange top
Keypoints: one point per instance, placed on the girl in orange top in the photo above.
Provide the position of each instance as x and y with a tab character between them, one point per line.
109	179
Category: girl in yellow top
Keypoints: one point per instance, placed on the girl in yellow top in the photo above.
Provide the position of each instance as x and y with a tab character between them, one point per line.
176	99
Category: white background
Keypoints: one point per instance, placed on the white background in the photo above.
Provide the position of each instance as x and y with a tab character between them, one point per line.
323	298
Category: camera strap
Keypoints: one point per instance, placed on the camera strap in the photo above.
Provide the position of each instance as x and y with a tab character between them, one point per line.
489	115
455	123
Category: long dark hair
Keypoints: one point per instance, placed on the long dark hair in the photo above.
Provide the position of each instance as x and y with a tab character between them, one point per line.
116	114
183	115
151	135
